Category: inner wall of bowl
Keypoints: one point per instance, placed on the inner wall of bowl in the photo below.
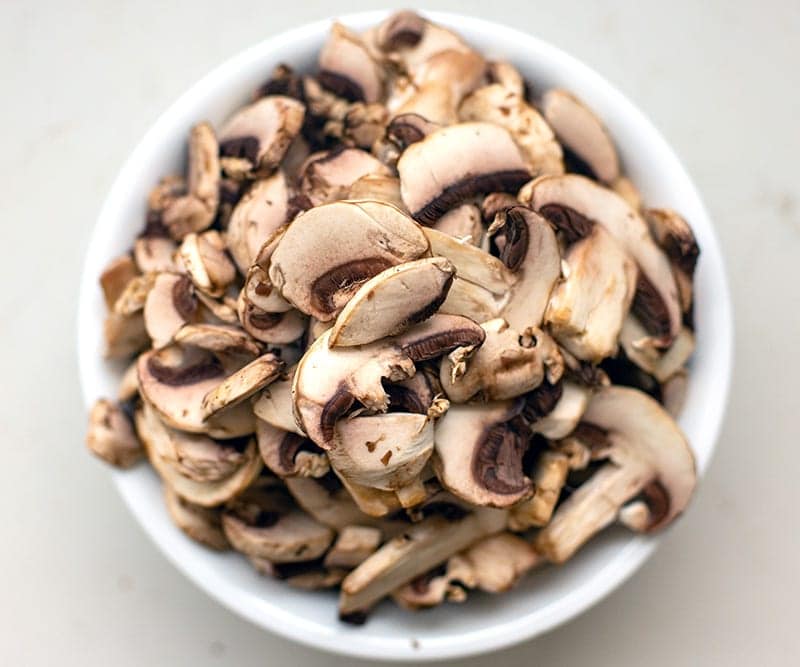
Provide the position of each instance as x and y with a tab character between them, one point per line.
544	599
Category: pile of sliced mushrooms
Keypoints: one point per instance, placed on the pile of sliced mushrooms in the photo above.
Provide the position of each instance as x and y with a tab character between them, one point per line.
403	328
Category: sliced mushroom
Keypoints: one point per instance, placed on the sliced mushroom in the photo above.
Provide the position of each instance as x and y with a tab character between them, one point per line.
255	139
392	301
328	177
308	575
455	163
347	68
498	561
154	254
661	364
467	299
116	277
505	74
548	476
206	262
497	104
288	454
402	30
327	501
408	128
625	188
565	414
673	393
242	384
134	296
361	126
269	327
258	290
110	435
463	222
318	277
124	335
448	582
202	524
274	405
170	304
434	101
377	187
128	388
353	546
222	339
650	473
581	132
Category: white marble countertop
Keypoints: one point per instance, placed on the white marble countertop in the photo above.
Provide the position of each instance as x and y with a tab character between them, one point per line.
81	585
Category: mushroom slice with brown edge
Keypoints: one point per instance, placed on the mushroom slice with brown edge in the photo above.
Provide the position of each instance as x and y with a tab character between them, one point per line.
582	133
562	419
307	575
328	381
254	140
128	388
508	364
463	222
661	364
274	405
175	380
353	546
417	550
124	335
467	299
202	524
170	304
328	177
447	582
115	278
479	450
327	501
206	262
110	435
134	296
154	253
222	339
270	327
392	301
347	68
505	74
318	277
408	128
588	307
549	474
288	454
377	187
498	561
242	384
650	474
258	290
455	163
574	204
496	104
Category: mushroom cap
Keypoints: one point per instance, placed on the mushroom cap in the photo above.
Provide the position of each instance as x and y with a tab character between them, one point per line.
347	68
270	327
242	384
110	435
393	300
328	176
455	163
202	524
318	277
170	304
288	454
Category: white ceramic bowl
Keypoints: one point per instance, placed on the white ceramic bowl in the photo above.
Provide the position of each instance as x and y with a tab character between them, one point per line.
543	600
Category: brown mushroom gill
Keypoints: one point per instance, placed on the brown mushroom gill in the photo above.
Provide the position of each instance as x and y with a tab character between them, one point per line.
343	279
199	370
497	462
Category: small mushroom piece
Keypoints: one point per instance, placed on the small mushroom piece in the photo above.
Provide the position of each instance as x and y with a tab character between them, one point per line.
506	75
499	561
128	388
447	582
319	277
125	335
242	384
562	419
353	546
170	304
110	435
134	296
467	299
328	177
463	222
410	40
274	405
347	68
154	254
456	162
647	455
307	576
288	454
254	140
673	393
116	277
661	364
402	30
408	128
222	339
258	290
270	327
497	104
588	307
206	262
202	524
362	125
548	476
581	132
507	365
377	187
392	301
478	453
456	70
327	501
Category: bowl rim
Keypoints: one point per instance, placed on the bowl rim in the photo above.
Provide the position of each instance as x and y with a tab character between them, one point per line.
626	561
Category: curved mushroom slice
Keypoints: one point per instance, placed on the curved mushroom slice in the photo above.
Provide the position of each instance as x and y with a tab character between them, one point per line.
347	68
463	222
434	101
217	311
268	327
625	188
414	395
478	453
154	254
328	177
318	276
274	405
115	278
497	104
402	30
455	163
499	561
377	187
288	454
206	262
261	211
574	204
128	388
506	75
588	307
467	299
565	414
174	382
392	301
417	550
408	128
507	365
548	476
661	364
454	72
581	132
673	393
254	140
110	435
258	290
448	582
362	125
124	335
353	546
241	384
222	339
316	329
132	299
647	454
327	501
307	576
202	524
170	304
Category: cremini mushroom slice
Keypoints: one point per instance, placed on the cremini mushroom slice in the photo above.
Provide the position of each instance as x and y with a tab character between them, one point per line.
392	301
274	405
421	547
479	450
328	177
402	30
650	473
318	277
456	162
116	277
673	392
170	304
508	364
448	582
288	454
202	524
625	188
497	104
347	68
463	222
498	561
133	297
574	204
467	299
221	339
241	384
206	262
549	475
255	139
353	546
128	388
661	364
362	125
505	74
124	335
154	253
565	414
258	289
327	501
589	305
270	327
581	132
377	187
408	128
110	435
307	575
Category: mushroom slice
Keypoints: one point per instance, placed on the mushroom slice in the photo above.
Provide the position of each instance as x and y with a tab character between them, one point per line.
377	187
202	524
647	454
318	277
673	392
574	204
110	435
206	262
497	104
373	502
128	388
170	304
316	329
507	365
661	364
408	128
115	278
327	501
222	339
329	381
242	384
261	211
505	74
134	296
467	299
448	582
258	289
402	30
392	301
270	327
254	140
463	222
568	410
549	476
353	546
329	177
174	382
124	335
582	133
455	163
499	561
478	453
435	101
410	40
347	68
588	307
288	454
154	254
625	188
274	405
417	550
308	576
